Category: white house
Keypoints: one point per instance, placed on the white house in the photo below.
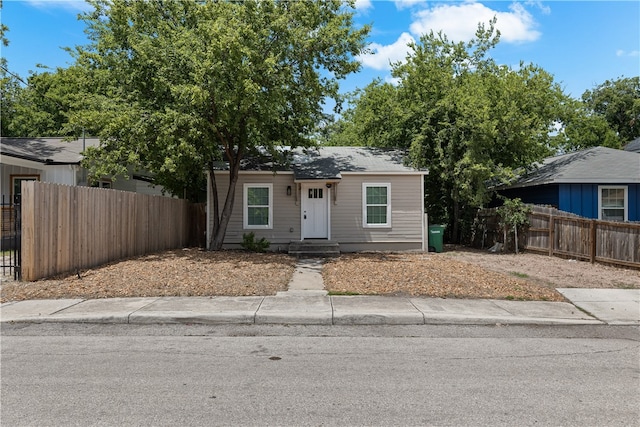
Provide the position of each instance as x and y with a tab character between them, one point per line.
360	198
57	161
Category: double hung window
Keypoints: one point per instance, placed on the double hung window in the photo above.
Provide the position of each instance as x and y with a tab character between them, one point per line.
612	203
376	205
258	206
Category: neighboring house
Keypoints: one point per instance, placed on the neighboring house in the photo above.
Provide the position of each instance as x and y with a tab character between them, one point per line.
57	161
361	198
633	146
600	183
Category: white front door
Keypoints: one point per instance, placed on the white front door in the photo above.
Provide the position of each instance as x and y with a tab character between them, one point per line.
315	211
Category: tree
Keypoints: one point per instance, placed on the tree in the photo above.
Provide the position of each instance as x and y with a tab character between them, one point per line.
43	106
195	82
513	214
617	102
9	86
467	120
373	119
9	93
582	128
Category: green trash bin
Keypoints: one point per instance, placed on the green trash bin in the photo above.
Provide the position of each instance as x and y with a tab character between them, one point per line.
436	235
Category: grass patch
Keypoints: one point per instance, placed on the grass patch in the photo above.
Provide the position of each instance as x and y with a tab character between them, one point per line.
513	298
620	285
342	293
520	275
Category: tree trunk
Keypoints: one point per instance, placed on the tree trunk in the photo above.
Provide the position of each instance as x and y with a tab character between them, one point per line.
456	217
515	232
218	236
504	237
216	206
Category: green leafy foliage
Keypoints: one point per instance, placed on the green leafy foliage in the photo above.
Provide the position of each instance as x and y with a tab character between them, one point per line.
185	84
513	215
466	119
618	103
251	244
9	93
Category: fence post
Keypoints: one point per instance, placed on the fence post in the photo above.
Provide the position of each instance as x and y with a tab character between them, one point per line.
593	241
552	237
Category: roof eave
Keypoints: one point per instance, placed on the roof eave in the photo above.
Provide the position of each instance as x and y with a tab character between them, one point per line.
46	162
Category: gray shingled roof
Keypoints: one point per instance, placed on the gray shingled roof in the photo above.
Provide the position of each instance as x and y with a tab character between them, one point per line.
330	162
594	165
313	163
46	150
633	146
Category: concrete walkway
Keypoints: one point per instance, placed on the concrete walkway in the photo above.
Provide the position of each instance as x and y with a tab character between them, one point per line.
306	302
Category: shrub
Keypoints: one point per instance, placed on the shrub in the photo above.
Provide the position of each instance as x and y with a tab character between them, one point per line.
251	244
513	214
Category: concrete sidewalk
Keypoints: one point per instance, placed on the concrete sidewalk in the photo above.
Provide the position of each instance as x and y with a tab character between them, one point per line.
331	310
306	303
612	306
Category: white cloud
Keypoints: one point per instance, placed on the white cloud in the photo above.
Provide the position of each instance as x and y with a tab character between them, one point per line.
537	3
621	52
363	5
460	22
382	56
392	80
406	4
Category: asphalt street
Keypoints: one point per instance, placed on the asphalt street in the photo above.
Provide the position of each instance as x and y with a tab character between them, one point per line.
107	375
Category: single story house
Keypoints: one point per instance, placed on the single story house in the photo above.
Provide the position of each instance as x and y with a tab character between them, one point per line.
360	198
57	161
599	182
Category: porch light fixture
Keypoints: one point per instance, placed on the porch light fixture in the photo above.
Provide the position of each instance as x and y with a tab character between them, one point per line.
328	185
288	190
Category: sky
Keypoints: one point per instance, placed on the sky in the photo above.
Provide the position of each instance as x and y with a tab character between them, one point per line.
581	43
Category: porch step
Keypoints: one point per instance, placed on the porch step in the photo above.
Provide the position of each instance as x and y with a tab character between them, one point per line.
314	248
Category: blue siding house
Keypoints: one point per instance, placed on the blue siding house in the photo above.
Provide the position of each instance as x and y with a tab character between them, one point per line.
600	183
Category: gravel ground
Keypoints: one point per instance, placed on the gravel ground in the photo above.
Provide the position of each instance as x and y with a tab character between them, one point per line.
186	272
433	275
455	273
550	271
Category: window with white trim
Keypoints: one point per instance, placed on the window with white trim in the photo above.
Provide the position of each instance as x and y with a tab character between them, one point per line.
612	203
258	206
376	205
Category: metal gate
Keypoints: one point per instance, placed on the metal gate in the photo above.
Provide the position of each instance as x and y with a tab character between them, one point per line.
10	240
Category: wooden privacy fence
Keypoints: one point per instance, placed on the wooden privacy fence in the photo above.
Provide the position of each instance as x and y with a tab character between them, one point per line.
66	229
592	240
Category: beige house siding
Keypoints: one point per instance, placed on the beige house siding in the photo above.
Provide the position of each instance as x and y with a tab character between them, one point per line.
406	214
345	209
286	213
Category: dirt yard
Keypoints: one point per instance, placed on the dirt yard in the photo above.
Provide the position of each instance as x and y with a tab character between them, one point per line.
551	271
456	273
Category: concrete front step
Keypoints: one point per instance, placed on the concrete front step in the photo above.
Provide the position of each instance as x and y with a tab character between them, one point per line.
314	248
315	254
